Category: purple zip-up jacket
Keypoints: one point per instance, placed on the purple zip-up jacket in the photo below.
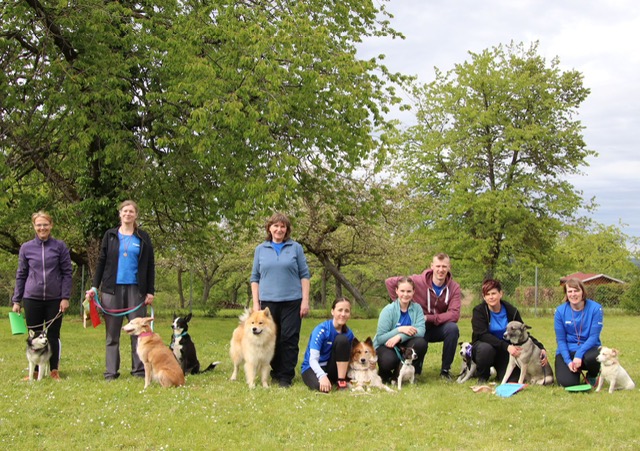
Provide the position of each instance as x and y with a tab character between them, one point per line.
44	271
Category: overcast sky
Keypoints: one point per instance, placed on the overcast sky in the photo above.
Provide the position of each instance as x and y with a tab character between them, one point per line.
598	38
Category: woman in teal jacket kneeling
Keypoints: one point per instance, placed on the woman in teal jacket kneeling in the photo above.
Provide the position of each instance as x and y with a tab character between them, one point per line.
401	324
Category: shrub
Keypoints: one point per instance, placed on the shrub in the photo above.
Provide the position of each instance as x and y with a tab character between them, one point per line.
609	295
631	298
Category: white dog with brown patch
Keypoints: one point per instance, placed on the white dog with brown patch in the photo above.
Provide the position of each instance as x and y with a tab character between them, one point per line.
612	371
159	362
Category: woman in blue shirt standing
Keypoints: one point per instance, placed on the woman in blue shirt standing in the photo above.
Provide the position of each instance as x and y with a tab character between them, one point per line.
488	323
125	274
326	359
280	281
578	324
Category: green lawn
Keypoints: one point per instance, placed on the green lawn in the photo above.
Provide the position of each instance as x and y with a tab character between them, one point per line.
210	412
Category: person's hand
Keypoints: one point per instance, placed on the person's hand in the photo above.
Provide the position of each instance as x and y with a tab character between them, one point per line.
391	342
543	357
16	307
149	299
575	365
64	305
304	308
408	330
325	384
514	350
90	293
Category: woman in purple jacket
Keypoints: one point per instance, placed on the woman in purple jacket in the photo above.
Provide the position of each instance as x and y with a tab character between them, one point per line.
43	284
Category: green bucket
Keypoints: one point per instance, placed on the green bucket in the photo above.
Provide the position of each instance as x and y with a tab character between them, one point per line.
18	326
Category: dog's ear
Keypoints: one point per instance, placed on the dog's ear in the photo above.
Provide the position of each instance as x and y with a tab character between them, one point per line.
174	315
369	341
187	318
267	312
355	342
524	326
460	343
614	352
31	333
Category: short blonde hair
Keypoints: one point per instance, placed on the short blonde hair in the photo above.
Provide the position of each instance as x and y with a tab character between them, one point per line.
41	214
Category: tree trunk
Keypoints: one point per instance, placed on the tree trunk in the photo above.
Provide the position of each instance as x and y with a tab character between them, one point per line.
335	272
180	287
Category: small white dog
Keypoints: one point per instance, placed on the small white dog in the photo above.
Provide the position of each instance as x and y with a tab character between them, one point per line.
407	371
612	371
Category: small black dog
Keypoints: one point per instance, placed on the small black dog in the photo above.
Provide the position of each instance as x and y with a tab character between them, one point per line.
183	347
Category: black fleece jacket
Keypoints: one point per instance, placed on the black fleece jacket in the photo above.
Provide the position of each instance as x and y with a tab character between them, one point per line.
107	268
480	325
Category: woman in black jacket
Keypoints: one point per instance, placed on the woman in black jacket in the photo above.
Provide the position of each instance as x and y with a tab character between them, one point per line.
488	324
126	276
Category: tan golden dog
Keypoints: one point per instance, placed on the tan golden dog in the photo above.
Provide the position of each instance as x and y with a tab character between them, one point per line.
254	343
159	362
363	373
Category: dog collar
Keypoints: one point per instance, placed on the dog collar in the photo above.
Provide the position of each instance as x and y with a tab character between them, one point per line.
145	334
521	343
180	335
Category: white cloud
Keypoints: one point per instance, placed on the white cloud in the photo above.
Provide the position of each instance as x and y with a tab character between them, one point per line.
597	38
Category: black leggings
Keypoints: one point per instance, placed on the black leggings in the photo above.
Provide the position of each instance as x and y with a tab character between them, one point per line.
340	352
37	313
567	378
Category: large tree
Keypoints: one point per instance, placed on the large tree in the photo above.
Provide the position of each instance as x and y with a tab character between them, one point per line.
202	111
488	160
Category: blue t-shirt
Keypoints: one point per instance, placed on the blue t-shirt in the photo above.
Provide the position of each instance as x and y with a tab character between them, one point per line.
404	320
498	322
278	247
437	288
128	255
321	340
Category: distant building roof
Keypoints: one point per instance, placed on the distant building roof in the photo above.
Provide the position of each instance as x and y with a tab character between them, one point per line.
590	279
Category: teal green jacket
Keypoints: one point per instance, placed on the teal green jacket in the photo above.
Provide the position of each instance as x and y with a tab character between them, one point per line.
388	323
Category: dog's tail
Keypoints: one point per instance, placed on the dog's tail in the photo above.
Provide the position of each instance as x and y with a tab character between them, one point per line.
245	315
211	367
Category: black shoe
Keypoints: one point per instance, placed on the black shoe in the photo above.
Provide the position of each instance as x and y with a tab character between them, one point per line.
482	381
445	376
284	383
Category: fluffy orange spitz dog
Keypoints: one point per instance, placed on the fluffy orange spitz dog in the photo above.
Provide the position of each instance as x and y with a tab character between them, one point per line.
253	342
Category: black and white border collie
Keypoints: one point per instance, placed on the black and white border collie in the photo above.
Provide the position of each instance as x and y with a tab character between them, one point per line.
183	347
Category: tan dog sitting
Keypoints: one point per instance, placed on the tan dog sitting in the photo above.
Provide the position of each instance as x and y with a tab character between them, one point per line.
159	362
612	371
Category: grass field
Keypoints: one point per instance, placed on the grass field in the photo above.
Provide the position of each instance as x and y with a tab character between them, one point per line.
84	412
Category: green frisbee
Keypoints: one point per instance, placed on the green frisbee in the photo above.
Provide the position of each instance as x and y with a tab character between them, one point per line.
579	388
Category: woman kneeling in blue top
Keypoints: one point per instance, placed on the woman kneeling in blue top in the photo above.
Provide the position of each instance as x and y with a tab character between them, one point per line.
578	323
326	359
400	323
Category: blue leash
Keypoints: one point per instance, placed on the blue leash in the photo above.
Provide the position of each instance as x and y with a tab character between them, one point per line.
118	312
